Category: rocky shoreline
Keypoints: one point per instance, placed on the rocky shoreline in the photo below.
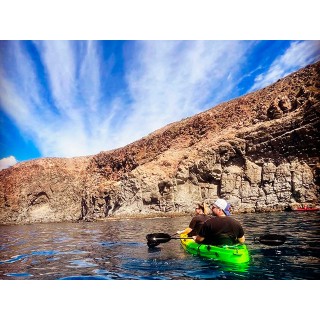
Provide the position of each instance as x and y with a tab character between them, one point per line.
259	151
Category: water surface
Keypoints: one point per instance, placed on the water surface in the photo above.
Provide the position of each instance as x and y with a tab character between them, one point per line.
118	250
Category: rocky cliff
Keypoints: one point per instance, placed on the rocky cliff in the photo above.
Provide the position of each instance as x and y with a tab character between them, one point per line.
259	151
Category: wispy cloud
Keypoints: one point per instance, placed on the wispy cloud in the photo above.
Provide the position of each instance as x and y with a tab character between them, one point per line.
7	162
298	55
67	126
60	66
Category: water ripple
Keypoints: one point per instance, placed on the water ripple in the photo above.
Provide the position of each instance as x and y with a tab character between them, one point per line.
34	253
88	277
82	264
19	275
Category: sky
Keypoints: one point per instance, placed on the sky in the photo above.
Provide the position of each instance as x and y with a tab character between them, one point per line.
77	98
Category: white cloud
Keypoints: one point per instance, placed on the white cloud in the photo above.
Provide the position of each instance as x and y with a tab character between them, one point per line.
90	76
298	55
69	129
7	162
59	63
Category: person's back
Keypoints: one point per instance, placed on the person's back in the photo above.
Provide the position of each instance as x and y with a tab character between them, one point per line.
197	221
221	229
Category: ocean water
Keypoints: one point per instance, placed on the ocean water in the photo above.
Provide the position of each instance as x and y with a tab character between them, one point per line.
117	250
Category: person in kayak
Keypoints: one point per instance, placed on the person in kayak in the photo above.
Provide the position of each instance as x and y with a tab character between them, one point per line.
220	229
197	221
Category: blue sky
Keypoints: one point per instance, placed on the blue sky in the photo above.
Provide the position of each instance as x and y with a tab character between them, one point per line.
76	98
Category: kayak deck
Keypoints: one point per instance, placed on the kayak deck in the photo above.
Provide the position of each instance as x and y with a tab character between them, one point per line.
232	254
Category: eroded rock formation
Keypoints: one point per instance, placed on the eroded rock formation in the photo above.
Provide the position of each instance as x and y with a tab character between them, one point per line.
259	151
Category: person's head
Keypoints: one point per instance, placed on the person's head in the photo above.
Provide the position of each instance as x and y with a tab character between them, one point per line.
199	208
221	208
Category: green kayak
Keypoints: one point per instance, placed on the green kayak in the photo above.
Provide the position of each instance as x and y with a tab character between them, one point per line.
231	254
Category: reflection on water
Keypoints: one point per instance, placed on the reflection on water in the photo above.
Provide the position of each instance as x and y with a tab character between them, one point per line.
118	250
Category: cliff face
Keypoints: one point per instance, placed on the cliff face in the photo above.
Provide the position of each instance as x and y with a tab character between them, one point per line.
259	151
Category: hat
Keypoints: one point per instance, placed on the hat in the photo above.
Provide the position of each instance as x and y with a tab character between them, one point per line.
224	206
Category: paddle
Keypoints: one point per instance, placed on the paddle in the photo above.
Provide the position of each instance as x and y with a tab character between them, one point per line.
154	239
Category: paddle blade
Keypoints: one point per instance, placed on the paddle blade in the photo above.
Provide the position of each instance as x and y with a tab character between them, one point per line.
152	244
272	239
154	239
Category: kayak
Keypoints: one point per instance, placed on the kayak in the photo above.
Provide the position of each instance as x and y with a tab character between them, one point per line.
308	209
231	254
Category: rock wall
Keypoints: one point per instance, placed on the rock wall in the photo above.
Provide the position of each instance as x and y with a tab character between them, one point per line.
260	152
45	190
